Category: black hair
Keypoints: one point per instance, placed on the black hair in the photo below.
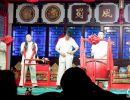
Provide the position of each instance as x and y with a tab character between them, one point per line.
27	34
26	44
100	31
68	32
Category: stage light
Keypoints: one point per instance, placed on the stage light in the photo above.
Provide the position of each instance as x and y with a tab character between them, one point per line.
32	1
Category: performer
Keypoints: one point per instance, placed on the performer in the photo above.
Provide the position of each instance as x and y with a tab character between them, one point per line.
2	55
28	51
99	51
65	47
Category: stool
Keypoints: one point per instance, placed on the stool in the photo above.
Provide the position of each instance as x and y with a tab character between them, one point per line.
41	68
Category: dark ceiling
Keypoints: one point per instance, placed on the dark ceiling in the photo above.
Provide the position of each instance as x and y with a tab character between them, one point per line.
77	0
95	1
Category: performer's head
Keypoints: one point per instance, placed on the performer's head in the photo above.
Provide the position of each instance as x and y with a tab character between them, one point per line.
101	35
68	34
28	37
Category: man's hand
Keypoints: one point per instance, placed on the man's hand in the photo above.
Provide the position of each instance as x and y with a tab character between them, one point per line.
2	50
44	60
29	61
62	54
71	52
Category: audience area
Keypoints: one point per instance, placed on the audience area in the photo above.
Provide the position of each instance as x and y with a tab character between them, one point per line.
75	84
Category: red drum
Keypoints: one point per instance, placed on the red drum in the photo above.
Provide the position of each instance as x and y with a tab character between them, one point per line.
97	69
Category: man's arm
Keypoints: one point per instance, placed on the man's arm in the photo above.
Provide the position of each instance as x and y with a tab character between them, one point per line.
76	47
72	52
36	48
57	48
22	48
92	51
3	47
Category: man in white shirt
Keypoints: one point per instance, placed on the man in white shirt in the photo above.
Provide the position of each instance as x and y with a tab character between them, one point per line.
2	55
65	47
99	51
28	51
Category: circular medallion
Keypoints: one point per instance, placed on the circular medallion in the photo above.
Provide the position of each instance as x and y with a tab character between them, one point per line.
27	13
52	13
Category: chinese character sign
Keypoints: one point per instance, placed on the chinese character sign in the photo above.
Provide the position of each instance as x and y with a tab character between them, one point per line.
106	13
80	12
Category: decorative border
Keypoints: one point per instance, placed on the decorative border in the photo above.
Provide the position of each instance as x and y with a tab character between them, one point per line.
97	13
36	16
126	13
61	17
78	22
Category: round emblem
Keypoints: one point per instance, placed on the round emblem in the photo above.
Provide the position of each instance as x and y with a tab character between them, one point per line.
52	13
27	13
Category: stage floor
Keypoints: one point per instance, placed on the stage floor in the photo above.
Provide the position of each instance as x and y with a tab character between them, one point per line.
41	90
38	90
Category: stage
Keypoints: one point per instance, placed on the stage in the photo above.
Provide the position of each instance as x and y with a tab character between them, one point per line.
41	90
38	90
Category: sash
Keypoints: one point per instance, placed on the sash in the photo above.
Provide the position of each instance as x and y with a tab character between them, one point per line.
33	53
24	52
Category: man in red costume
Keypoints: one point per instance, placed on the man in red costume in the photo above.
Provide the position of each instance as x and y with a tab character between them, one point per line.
28	51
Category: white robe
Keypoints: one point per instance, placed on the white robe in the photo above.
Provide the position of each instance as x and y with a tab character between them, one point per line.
2	56
24	68
65	46
99	51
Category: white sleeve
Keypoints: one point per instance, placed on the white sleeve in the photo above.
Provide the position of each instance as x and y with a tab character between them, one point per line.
58	45
92	50
3	47
36	47
22	47
105	49
74	44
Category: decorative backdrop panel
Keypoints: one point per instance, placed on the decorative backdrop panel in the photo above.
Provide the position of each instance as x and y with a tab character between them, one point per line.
127	13
114	33
53	13
107	13
79	13
1	26
39	36
126	42
27	13
19	33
